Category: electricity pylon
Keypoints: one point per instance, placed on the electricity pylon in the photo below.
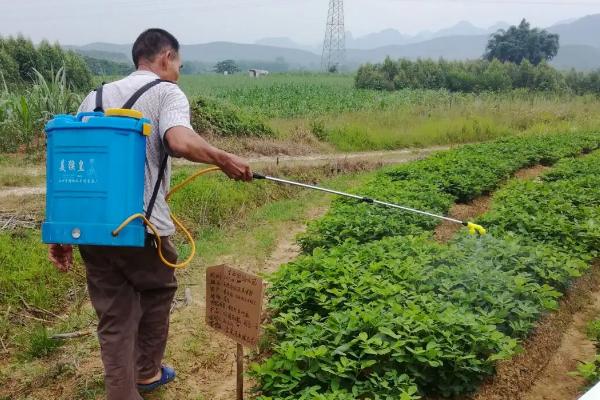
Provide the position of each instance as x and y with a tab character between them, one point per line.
334	45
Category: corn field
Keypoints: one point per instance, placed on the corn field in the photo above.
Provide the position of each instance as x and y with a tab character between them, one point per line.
23	115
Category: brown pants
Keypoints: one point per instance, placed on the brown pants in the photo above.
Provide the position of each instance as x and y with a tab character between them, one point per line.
131	291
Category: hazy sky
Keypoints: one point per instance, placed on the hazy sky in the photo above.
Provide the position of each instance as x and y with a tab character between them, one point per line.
199	21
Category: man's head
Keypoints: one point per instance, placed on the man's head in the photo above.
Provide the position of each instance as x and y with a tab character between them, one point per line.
158	51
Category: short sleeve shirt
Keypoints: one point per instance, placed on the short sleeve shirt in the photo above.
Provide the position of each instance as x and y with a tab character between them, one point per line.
166	106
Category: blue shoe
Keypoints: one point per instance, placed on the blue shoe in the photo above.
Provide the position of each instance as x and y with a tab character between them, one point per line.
167	375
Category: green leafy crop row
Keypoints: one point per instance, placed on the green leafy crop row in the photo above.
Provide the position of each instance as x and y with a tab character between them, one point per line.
563	209
354	317
404	316
435	184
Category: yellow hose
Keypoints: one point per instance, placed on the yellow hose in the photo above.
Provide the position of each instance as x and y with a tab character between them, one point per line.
178	223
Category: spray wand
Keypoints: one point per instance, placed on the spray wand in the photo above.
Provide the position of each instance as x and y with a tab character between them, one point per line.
473	228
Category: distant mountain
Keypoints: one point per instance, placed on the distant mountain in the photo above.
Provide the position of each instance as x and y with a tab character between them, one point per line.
497	26
106	55
580	47
392	37
449	48
386	37
278	42
580	57
286	43
218	51
565	21
584	31
463	28
107	47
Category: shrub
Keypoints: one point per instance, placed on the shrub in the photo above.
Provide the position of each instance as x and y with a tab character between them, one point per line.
226	120
473	76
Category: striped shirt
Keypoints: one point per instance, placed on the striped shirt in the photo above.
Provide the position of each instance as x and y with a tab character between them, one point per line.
166	106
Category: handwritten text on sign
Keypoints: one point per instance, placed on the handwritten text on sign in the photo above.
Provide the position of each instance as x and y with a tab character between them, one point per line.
234	303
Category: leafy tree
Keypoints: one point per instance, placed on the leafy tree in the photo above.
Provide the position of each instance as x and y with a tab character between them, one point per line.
9	69
228	66
104	67
520	43
20	59
78	73
51	59
25	55
496	77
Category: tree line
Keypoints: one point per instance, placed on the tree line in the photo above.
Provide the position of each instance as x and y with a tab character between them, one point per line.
474	76
20	58
516	58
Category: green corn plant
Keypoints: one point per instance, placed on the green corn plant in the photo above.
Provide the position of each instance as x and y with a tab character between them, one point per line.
53	96
25	120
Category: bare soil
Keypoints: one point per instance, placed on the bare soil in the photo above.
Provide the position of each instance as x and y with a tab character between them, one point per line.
540	372
531	172
312	159
22	191
464	212
213	372
479	206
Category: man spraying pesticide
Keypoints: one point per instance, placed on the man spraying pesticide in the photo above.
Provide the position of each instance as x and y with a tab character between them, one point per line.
108	175
129	286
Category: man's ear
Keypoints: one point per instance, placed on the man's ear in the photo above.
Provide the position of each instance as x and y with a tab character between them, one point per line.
164	60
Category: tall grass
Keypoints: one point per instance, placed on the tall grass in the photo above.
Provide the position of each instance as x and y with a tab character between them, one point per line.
24	113
427	119
359	119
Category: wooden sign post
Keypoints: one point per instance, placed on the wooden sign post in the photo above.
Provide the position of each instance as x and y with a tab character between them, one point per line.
233	307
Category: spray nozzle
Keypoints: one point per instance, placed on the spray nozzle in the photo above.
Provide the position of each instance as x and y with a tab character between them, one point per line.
474	228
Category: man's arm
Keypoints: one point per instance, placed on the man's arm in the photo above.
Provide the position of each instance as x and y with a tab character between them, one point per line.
184	142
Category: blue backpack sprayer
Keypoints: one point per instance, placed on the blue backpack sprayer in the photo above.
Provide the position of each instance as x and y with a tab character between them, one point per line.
95	180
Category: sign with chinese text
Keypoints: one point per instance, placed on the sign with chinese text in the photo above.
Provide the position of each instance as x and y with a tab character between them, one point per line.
234	303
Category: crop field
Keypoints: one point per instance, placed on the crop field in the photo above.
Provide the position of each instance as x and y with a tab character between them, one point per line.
377	309
323	108
350	119
363	302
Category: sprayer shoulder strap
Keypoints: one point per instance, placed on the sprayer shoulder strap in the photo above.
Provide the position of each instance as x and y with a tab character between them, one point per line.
99	98
134	98
163	165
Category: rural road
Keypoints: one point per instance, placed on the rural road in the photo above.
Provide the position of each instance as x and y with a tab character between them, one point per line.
385	157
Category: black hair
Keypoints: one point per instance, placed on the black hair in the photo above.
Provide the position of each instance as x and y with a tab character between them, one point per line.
152	42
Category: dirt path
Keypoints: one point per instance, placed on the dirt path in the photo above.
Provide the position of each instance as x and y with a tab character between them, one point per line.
540	372
554	382
386	157
286	250
206	359
316	160
469	211
22	191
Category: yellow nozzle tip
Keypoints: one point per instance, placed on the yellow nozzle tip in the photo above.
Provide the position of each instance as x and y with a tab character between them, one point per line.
474	228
